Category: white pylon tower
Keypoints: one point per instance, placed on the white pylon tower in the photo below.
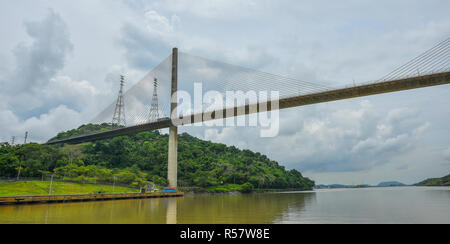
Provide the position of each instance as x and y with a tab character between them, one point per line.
154	110
119	113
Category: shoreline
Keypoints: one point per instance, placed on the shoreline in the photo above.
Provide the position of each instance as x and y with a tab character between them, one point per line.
14	200
204	191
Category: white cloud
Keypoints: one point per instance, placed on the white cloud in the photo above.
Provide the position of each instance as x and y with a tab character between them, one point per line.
44	57
422	128
63	90
36	63
221	9
40	128
446	154
58	119
37	99
159	24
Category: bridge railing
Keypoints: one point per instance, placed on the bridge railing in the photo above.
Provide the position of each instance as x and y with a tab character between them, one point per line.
371	82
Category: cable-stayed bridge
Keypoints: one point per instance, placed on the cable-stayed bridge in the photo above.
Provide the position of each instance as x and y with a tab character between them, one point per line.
181	75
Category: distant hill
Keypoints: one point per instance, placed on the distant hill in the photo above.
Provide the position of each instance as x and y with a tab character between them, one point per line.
338	186
390	184
333	186
444	181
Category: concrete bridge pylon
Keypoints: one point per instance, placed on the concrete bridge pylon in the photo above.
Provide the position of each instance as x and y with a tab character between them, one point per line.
173	130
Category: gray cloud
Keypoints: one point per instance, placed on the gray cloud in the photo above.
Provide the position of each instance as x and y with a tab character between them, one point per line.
37	62
446	154
37	98
331	138
229	9
142	49
147	45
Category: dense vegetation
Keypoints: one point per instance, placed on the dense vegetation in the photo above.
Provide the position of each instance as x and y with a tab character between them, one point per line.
444	181
133	160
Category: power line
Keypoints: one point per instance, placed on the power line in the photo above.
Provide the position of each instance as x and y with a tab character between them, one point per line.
119	113
154	110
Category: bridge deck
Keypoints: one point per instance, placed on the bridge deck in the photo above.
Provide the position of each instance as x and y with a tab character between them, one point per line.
296	101
113	133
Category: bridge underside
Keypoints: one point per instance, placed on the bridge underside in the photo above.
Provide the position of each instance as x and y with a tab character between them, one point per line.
113	133
296	101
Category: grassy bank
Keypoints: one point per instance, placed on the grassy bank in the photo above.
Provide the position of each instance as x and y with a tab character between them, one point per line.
22	188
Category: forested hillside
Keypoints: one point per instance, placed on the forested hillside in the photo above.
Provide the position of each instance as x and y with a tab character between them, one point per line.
444	181
142	157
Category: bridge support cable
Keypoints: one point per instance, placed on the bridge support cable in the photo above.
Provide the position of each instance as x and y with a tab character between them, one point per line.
138	102
322	97
434	60
222	77
284	103
431	68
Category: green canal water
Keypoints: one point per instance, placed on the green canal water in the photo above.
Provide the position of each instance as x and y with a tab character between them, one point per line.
369	205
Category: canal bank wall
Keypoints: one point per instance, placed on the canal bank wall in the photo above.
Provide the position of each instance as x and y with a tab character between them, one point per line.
84	197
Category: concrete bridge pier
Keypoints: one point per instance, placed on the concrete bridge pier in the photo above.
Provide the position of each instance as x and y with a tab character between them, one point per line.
173	130
173	156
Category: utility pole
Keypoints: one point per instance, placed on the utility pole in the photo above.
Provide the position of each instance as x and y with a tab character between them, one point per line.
51	184
20	168
173	130
114	184
119	113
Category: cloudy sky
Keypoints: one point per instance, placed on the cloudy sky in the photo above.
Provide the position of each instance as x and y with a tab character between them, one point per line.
60	59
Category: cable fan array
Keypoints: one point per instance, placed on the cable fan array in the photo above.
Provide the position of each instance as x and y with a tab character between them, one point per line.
220	78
